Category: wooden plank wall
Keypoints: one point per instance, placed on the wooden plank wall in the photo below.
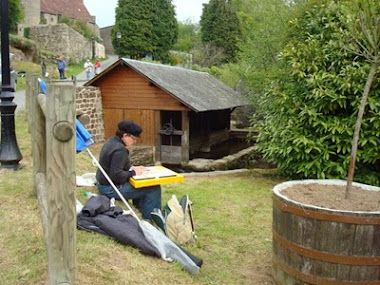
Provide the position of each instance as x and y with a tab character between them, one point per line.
111	118
127	95
144	118
126	89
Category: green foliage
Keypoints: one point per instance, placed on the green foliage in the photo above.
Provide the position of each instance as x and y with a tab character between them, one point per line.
15	15
26	32
43	21
363	28
264	29
134	23
27	46
188	36
220	27
309	111
146	28
79	26
165	29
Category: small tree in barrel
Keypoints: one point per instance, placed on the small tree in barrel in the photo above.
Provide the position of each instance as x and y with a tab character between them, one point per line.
364	33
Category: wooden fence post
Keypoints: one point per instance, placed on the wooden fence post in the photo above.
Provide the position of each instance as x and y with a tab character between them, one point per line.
60	183
30	91
37	129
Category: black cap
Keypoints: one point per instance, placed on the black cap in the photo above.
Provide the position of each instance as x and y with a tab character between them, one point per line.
129	127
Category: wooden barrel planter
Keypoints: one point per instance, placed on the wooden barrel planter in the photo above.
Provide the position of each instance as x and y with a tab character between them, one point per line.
314	245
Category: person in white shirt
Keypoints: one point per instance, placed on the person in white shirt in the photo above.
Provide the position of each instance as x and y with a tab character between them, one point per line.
88	66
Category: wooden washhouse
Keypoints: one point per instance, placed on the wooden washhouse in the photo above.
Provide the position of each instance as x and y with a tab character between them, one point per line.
181	111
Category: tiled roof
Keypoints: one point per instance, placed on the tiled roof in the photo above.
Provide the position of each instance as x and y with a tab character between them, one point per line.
68	8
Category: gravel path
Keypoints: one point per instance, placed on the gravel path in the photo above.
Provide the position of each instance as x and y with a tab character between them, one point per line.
19	100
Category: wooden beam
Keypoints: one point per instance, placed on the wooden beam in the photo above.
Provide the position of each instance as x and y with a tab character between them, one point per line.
30	92
40	184
185	138
157	127
38	135
60	182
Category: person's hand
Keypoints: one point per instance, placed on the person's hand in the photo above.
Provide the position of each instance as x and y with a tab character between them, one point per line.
138	169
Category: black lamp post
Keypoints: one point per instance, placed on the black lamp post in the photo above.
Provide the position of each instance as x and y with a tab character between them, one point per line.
10	154
118	36
93	47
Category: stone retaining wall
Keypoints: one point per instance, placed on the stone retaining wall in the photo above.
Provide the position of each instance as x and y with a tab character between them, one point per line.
65	41
89	102
246	158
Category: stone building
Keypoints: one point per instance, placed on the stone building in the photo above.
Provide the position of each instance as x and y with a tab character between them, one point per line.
50	11
42	20
32	13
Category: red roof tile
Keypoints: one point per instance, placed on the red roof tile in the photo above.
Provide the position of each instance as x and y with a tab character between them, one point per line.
68	8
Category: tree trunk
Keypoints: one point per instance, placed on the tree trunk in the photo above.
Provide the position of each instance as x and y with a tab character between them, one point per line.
367	88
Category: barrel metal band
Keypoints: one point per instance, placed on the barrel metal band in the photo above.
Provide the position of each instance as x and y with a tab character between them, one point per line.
324	256
307	213
312	279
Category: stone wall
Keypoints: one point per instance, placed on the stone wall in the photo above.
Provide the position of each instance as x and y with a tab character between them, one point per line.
105	34
89	102
246	158
50	19
32	17
66	42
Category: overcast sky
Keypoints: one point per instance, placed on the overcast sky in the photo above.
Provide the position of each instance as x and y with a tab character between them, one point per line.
104	10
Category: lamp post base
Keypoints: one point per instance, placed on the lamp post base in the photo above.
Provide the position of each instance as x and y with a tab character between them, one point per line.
10	154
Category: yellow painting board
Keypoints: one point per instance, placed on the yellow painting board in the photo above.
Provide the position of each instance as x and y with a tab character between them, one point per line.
156	175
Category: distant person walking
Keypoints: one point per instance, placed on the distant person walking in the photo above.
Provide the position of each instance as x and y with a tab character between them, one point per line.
88	66
98	67
61	65
43	66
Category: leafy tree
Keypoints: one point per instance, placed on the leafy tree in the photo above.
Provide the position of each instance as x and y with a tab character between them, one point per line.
264	33
309	111
220	27
146	27
16	14
134	22
188	36
363	34
165	29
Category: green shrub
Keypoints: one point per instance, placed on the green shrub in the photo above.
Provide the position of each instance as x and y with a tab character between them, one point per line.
43	21
28	47
309	111
26	32
81	27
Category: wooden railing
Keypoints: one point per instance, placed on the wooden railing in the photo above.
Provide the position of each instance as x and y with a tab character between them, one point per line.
51	122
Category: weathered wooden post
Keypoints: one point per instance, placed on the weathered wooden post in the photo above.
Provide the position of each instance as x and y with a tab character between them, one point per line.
60	183
30	93
53	145
37	128
185	138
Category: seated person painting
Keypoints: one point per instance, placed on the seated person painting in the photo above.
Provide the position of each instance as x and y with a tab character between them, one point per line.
114	158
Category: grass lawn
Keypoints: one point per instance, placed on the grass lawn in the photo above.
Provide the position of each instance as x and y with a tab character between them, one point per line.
233	225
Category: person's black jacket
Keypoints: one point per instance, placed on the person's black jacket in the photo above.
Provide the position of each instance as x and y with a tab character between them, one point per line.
97	215
114	158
